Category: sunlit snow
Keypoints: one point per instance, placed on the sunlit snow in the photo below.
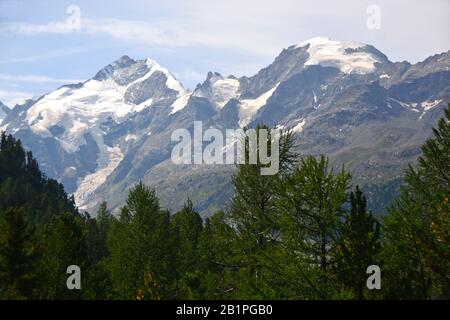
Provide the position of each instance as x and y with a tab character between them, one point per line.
249	107
339	54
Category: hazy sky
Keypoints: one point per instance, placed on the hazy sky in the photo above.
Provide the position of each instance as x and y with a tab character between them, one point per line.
44	47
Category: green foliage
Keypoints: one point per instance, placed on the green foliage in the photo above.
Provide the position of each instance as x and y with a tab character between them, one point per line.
298	234
310	202
22	184
217	247
141	247
18	257
63	244
417	230
187	226
253	215
42	233
358	245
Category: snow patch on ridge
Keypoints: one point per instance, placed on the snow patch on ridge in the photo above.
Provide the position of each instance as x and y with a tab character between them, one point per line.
428	105
224	90
330	53
71	110
107	163
249	107
95	102
219	90
171	82
299	126
180	103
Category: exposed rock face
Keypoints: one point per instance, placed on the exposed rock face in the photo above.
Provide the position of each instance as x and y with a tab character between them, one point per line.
344	99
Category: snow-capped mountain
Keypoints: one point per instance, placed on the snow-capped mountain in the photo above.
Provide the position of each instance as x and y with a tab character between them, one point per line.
348	57
344	99
73	120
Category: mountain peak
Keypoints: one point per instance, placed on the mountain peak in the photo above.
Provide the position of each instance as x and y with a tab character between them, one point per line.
218	89
322	40
125	70
349	57
151	63
211	75
124	61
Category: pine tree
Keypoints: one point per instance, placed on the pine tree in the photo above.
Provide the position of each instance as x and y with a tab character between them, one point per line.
141	246
39	237
97	283
22	184
220	259
102	224
358	244
252	211
187	226
63	244
310	202
417	229
18	257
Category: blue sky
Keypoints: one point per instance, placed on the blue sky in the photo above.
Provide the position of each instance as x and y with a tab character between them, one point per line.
42	49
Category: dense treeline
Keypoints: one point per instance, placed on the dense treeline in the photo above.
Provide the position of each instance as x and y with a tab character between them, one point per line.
22	185
304	233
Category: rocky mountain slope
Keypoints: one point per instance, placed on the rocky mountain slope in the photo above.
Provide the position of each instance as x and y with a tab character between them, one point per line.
4	110
344	99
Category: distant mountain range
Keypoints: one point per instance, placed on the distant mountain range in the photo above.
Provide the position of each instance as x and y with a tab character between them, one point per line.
344	99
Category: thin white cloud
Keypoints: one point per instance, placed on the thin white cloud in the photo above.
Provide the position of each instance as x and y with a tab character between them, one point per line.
240	37
53	54
410	30
162	33
57	27
11	97
36	79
